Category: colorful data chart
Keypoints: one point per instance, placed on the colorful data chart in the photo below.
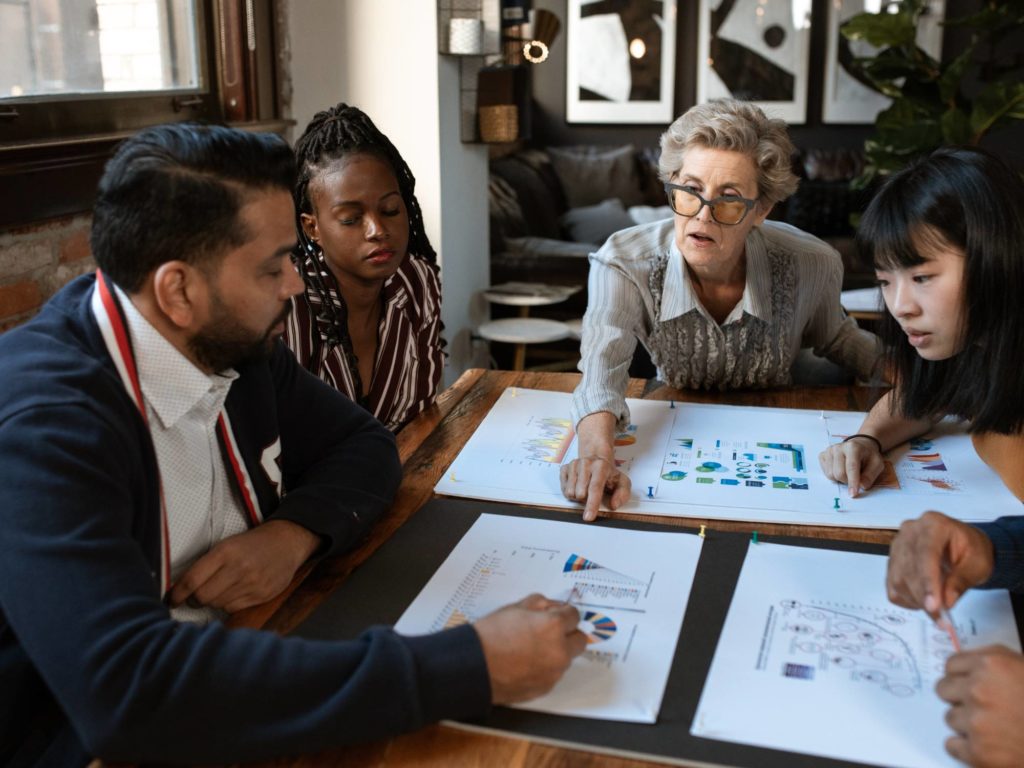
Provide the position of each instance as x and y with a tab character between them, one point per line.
548	439
592	581
597	627
922	465
736	463
626	437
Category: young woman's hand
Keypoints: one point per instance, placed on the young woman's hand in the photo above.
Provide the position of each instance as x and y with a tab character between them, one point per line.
857	462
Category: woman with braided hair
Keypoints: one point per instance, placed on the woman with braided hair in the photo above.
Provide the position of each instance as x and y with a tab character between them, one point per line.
368	322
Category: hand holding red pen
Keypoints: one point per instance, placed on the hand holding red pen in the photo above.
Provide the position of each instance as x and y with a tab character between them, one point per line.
935	559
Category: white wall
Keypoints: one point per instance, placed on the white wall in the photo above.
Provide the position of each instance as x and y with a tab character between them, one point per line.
381	55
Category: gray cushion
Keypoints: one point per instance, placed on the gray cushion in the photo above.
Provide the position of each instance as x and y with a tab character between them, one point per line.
595	223
537	189
542	247
590	174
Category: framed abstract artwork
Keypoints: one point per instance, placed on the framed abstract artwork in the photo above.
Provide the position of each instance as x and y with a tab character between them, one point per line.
846	99
621	61
756	51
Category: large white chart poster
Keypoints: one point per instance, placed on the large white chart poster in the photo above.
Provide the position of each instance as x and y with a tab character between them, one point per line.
630	587
726	462
813	658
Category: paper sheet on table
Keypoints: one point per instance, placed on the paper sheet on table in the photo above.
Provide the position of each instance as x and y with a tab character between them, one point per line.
630	587
725	462
813	658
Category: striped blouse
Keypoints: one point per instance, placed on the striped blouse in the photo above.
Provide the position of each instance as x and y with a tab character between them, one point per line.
640	290
407	371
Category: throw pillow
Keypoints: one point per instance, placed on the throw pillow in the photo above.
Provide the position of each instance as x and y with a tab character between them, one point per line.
595	223
545	248
645	214
590	174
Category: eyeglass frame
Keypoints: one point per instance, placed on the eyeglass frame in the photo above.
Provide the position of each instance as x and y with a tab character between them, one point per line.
747	201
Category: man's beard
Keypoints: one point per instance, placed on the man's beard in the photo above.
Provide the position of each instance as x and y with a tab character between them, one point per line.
224	343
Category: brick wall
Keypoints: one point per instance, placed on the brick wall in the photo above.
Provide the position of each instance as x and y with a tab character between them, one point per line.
36	261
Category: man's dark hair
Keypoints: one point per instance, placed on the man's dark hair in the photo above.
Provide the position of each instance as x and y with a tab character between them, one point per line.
175	191
968	199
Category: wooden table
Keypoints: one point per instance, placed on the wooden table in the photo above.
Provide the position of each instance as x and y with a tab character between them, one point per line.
427	446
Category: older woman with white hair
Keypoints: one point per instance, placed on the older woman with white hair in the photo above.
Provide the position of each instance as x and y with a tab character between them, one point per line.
719	297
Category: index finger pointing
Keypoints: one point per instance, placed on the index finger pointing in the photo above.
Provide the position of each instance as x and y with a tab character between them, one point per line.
853	475
595	490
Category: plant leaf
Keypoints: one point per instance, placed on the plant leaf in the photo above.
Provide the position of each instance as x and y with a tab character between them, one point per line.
956	127
880	29
997	101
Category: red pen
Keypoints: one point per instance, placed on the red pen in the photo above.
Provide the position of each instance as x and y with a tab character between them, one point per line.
946	622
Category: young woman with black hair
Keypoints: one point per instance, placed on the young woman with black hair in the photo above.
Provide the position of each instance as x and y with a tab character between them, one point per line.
369	320
946	236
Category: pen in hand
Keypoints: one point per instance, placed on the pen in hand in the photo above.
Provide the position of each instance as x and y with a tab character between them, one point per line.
946	622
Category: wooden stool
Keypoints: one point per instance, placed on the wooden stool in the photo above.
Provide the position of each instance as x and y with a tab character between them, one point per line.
522	331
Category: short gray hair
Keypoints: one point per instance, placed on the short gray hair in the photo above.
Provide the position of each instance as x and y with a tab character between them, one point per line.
738	126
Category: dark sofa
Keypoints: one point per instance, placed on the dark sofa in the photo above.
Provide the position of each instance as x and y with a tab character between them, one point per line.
550	208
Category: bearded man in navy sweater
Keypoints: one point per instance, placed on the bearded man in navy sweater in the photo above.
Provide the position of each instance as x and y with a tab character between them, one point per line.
164	461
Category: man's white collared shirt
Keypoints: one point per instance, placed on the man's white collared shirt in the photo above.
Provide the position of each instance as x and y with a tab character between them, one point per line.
182	405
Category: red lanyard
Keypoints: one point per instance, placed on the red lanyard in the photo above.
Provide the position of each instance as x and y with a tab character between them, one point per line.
110	319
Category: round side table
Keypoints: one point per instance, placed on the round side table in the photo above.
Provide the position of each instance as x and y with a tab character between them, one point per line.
524	329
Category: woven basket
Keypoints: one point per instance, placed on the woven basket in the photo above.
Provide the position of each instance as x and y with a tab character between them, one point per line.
499	124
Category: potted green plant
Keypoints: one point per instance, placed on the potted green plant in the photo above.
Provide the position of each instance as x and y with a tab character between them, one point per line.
936	103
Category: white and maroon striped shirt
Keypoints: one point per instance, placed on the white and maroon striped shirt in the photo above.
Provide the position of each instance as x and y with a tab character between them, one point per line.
407	371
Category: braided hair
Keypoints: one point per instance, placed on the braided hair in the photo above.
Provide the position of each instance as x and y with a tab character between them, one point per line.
332	134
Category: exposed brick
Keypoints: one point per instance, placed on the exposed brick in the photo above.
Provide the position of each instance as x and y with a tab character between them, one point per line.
19	258
8	323
75	246
52	282
18	298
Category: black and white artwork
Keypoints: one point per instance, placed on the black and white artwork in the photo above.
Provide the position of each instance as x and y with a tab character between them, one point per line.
621	61
846	98
755	50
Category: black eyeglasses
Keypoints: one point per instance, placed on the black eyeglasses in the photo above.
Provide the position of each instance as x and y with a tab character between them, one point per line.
727	209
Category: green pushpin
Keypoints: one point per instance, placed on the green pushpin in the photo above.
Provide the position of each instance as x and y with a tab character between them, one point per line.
754	539
836	505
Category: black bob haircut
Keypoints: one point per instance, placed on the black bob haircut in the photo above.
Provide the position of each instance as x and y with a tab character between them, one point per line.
173	192
968	199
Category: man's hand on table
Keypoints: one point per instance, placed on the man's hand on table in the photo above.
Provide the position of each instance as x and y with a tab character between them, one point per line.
528	646
247	569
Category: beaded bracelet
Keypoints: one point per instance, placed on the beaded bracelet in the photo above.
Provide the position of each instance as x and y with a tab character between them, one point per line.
869	437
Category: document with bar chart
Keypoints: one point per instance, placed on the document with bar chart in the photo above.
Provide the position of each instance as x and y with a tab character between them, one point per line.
725	462
630	588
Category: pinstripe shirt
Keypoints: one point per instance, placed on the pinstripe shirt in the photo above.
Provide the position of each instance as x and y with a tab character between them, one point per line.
407	370
640	290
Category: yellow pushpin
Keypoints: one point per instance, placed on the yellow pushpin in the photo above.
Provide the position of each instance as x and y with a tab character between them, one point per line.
701	534
514	393
452	477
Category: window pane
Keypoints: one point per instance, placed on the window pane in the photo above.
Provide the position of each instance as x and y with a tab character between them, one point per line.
62	47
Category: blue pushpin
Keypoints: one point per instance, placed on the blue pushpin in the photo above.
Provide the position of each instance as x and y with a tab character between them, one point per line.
650	491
